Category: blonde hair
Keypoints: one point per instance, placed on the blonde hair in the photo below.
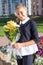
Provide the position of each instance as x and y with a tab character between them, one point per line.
18	6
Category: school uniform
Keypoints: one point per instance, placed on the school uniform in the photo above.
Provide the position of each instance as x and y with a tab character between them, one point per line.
28	32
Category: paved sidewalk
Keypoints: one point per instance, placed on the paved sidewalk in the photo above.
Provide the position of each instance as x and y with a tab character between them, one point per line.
4	40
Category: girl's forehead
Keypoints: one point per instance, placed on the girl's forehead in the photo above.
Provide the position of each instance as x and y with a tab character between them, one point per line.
20	9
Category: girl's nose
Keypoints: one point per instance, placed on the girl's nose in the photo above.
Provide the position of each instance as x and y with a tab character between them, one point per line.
20	15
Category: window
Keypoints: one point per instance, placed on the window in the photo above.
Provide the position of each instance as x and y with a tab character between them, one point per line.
42	11
13	1
3	12
42	3
33	13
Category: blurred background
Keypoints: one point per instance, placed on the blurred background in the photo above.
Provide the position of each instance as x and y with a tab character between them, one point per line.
34	7
7	12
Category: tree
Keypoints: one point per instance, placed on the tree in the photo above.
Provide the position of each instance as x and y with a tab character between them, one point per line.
12	17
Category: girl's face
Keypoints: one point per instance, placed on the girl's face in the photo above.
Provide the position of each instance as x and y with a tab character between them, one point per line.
21	13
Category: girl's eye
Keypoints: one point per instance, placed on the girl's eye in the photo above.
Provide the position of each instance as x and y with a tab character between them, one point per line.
21	13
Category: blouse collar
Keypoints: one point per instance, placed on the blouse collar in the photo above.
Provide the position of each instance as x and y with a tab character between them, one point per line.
24	21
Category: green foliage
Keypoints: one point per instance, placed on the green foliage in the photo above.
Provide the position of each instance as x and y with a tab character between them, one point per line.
12	17
40	29
38	60
3	21
1	31
12	55
38	19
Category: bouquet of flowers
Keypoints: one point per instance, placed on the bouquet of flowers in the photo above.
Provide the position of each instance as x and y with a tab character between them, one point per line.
11	30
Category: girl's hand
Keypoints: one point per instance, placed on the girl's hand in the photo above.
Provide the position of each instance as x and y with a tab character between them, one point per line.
17	45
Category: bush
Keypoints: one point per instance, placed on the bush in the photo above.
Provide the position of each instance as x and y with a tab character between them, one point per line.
12	17
38	19
3	20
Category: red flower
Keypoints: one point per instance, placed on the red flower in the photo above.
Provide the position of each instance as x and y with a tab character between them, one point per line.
41	40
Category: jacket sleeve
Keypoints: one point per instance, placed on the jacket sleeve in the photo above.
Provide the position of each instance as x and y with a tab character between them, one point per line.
34	32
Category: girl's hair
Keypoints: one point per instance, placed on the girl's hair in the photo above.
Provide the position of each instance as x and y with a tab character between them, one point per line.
19	6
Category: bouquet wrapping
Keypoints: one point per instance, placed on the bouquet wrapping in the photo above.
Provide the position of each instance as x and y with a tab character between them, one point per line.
11	30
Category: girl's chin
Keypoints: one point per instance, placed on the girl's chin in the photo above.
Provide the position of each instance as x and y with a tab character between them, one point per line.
22	19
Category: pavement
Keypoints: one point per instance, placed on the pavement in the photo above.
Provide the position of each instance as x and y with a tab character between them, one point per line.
5	41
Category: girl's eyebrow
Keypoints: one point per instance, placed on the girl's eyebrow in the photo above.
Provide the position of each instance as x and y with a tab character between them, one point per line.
19	12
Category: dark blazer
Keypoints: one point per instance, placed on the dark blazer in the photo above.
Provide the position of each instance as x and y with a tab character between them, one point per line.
28	32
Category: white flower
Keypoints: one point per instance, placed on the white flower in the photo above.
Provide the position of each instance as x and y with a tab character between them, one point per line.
15	24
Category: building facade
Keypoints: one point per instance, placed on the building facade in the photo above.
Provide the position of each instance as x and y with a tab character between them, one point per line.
7	7
34	7
37	7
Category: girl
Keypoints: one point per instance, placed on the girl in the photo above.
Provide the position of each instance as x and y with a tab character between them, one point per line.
27	44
